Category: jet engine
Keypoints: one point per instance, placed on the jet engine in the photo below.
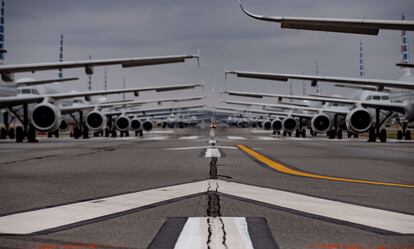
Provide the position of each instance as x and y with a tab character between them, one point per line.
45	117
136	124
147	125
95	121
277	125
289	124
359	120
122	123
267	125
320	123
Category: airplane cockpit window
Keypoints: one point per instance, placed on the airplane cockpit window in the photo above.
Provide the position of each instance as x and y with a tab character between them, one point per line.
369	97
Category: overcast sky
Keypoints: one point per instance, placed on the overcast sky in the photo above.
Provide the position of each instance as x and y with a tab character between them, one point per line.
227	39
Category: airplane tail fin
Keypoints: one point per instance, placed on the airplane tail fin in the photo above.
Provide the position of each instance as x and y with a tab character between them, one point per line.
2	50
405	58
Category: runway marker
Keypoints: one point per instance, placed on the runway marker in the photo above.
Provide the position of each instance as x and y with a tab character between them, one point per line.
188	137
214	232
60	216
202	147
212	152
236	138
283	169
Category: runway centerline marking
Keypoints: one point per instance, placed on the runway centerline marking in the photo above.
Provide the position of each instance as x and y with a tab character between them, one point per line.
64	216
283	169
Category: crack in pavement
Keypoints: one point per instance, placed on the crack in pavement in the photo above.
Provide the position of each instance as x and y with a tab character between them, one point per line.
214	207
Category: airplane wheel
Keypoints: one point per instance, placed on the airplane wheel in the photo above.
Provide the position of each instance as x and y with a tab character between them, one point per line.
399	134
274	132
113	132
372	137
339	134
303	133
383	135
332	134
349	134
76	133
12	133
297	133
31	134
408	135
107	132
49	134
19	134
356	135
56	133
278	133
3	133
290	134
311	132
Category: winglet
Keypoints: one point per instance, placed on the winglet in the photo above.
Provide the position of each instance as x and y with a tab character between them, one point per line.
226	72
197	56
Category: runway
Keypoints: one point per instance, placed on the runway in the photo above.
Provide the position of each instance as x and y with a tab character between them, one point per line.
157	192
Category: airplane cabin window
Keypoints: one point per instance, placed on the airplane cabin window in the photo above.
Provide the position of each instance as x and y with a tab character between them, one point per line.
376	97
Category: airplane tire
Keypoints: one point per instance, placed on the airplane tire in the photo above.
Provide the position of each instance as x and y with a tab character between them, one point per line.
297	133
332	134
113	132
19	134
349	134
107	132
339	134
56	134
76	133
3	133
12	133
49	134
372	137
356	135
408	135
399	134
31	134
303	133
383	135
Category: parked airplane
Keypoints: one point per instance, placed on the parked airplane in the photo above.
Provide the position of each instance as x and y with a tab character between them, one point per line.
354	26
46	114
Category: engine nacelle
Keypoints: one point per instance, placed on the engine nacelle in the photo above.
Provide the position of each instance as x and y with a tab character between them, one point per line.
95	121
359	120
321	123
277	125
7	77
290	124
122	123
147	125
267	125
136	124
45	117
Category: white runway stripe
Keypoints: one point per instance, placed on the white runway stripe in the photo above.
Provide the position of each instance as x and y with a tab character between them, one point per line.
195	233
188	137
48	218
212	152
236	138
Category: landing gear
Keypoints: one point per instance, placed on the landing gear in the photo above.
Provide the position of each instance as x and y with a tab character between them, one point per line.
339	134
372	136
19	134
383	135
3	133
404	133
12	133
113	132
331	133
107	132
297	133
303	133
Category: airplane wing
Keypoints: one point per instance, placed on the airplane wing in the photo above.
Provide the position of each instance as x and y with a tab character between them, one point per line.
118	91
405	65
379	83
149	110
73	108
304	115
322	99
389	106
353	26
19	100
7	71
41	82
284	106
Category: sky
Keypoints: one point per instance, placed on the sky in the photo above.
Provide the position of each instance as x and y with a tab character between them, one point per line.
227	40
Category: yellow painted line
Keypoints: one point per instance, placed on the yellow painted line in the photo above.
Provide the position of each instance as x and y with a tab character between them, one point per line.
283	169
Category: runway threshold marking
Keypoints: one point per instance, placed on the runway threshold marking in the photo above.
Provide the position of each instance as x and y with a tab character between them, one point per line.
283	169
214	232
66	216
